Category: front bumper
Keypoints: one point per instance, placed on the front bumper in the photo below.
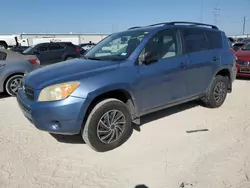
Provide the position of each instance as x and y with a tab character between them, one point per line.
60	117
234	75
242	74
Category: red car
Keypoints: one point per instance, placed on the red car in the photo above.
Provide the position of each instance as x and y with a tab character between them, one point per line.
243	61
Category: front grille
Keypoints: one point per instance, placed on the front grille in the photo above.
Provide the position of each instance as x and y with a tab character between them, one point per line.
29	92
245	70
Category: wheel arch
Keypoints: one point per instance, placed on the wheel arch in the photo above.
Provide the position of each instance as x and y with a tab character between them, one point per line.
4	43
226	73
118	93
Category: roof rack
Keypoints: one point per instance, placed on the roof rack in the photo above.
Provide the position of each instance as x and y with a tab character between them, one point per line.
175	23
192	23
134	27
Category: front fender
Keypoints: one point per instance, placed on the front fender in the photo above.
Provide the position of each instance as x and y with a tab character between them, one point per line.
102	90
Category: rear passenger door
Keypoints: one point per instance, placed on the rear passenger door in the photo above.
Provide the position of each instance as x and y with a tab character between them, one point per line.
202	60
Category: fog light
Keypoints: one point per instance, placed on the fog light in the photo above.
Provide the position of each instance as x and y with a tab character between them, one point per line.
55	125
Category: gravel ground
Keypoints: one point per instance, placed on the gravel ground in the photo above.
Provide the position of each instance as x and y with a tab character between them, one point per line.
161	155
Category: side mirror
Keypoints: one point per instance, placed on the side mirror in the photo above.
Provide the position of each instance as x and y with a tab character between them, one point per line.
149	57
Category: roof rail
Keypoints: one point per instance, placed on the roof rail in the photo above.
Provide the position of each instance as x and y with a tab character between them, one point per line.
134	27
148	25
174	23
163	23
192	23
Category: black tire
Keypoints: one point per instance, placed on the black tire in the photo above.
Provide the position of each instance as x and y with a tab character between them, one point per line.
217	93
90	134
68	58
9	84
3	45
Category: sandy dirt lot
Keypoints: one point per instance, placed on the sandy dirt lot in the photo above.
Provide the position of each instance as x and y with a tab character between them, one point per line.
161	155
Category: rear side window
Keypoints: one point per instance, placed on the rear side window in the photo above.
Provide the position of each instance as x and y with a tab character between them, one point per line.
42	48
194	40
214	39
55	47
3	56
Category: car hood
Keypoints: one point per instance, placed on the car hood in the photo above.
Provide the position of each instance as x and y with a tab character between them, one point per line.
243	55
70	70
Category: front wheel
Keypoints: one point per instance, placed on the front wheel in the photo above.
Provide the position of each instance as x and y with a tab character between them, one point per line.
108	125
3	46
217	93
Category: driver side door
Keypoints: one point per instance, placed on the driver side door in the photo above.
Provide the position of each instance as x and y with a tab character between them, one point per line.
42	54
163	81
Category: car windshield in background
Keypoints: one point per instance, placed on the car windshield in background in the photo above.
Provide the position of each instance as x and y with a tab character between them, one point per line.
246	40
116	47
247	47
28	49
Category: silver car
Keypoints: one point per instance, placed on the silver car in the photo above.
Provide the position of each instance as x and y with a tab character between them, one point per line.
13	66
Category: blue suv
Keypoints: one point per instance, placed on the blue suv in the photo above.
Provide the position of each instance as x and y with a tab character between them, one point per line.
127	75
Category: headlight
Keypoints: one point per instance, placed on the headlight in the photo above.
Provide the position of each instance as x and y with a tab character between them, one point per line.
58	91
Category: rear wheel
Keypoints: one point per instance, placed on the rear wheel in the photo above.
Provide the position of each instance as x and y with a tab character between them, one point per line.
12	84
108	125
217	92
68	58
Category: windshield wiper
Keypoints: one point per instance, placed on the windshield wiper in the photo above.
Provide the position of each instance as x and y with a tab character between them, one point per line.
92	58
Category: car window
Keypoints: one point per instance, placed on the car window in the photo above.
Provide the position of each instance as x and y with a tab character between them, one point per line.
164	44
42	48
55	47
215	39
194	40
3	56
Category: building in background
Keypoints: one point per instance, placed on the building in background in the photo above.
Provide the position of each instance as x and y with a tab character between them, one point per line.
28	39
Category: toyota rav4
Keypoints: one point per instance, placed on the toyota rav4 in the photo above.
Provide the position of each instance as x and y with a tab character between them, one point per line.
127	75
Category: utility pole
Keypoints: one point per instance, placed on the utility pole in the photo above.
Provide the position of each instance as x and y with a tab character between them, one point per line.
201	19
216	13
244	25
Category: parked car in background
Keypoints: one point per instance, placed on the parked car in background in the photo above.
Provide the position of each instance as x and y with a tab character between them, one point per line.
86	47
50	53
19	48
239	39
13	66
238	46
156	67
231	40
245	41
243	61
8	41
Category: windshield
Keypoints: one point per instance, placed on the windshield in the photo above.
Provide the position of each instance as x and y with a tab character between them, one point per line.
28	49
246	40
247	47
116	47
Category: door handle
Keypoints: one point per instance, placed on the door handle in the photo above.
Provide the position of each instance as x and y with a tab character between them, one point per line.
183	66
215	58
